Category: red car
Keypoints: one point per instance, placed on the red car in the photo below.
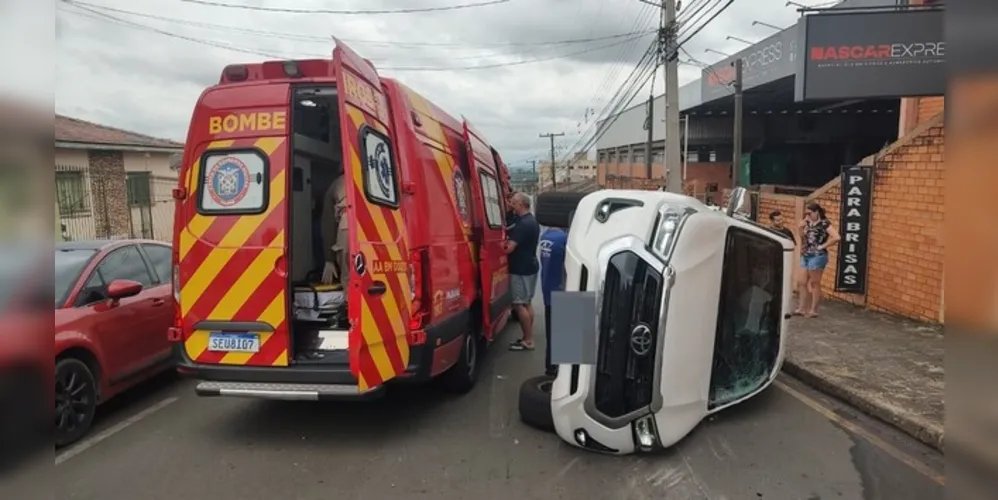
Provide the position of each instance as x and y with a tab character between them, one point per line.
113	306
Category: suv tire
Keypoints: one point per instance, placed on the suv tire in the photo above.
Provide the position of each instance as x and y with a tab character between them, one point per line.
535	402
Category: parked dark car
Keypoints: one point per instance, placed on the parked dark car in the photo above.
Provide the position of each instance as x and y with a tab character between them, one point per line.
113	306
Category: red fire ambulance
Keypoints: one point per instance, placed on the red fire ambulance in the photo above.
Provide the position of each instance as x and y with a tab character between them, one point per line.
428	283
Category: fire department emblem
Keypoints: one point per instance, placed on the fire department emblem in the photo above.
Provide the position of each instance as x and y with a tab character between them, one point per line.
461	195
379	163
228	181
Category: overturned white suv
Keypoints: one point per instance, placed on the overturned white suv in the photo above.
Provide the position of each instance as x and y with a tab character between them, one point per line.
691	309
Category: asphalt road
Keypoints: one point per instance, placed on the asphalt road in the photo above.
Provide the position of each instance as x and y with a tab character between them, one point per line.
162	442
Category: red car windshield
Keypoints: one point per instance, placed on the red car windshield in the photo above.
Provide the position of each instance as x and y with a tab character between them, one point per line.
69	263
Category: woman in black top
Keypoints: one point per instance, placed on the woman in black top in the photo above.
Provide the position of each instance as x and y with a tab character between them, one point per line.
817	236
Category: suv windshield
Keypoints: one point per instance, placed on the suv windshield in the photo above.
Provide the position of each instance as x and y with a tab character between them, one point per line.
68	266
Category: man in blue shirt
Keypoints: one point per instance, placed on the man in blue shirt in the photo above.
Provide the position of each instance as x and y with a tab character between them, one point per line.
521	248
552	246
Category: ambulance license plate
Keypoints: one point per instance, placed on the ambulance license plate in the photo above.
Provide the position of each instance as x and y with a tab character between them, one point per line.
234	342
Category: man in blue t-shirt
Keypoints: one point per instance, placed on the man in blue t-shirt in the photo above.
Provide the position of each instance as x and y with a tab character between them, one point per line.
552	246
521	248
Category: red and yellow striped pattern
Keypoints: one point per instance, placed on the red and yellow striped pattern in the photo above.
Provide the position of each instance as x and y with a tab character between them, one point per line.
228	264
379	349
445	159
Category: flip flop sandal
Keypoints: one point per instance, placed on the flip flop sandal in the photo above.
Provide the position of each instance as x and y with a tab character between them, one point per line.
518	345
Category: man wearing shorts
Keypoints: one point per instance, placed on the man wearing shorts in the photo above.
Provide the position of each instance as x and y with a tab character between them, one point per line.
521	248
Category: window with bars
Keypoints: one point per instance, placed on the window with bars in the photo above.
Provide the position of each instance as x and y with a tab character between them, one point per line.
139	189
72	194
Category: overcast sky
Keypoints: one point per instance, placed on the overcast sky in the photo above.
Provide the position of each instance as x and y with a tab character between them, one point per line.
132	77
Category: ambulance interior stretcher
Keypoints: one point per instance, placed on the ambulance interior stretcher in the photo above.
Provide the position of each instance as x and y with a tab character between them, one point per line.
319	325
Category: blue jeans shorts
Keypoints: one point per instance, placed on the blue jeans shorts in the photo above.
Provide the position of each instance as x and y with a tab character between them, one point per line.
814	262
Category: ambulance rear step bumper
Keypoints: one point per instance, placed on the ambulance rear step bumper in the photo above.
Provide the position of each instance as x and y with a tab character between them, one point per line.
286	392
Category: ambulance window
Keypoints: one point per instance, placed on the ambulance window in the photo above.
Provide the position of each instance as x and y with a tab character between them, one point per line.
493	204
380	184
233	182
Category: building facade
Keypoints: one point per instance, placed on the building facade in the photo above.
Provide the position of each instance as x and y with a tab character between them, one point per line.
111	183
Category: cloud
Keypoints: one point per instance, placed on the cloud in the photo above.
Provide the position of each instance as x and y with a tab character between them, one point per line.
127	76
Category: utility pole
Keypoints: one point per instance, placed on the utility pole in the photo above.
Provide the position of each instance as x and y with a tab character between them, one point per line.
650	122
554	182
736	160
668	50
533	166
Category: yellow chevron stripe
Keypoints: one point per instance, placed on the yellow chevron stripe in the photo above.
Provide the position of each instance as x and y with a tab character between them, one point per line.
249	281
199	223
272	315
233	241
375	346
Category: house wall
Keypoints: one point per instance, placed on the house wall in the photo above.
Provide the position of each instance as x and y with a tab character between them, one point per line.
163	180
107	184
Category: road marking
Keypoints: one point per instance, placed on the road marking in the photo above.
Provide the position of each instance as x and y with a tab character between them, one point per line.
90	442
886	447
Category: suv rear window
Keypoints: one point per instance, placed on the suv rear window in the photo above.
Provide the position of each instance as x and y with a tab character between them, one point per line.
233	182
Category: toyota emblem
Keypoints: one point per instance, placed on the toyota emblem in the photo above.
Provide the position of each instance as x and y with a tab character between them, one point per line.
641	340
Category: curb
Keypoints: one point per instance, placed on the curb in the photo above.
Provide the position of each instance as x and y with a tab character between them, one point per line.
932	437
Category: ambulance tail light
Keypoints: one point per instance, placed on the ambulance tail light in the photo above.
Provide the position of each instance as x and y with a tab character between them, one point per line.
235	73
175	332
417	264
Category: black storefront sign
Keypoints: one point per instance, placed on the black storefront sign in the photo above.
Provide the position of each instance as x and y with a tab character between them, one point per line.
767	61
854	228
863	55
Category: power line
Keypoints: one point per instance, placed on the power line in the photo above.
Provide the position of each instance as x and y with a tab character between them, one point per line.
326	39
411	10
512	63
212	43
611	76
613	107
711	19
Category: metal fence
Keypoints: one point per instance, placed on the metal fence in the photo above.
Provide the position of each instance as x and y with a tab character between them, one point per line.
95	206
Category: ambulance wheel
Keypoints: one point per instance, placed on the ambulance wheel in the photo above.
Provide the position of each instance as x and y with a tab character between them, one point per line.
535	402
461	377
556	209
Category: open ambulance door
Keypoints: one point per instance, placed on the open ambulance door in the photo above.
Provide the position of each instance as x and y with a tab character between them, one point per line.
380	294
490	209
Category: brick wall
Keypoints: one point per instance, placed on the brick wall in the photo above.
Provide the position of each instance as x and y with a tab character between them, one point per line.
929	107
906	240
905	274
770	202
107	183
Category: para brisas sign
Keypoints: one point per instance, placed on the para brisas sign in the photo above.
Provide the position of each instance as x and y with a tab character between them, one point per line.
854	226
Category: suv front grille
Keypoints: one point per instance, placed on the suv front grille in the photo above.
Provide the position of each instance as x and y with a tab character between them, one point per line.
625	366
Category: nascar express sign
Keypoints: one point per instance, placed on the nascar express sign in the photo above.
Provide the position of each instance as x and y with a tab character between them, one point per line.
883	54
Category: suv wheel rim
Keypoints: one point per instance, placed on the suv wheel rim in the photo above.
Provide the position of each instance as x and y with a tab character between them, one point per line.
73	400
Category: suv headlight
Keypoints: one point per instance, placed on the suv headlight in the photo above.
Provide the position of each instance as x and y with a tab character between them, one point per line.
670	218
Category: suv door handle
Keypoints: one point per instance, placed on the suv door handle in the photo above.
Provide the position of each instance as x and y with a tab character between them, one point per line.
378	288
158	302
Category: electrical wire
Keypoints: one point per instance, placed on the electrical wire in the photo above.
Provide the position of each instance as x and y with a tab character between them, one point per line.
285	10
709	20
272	54
617	101
512	63
326	39
611	75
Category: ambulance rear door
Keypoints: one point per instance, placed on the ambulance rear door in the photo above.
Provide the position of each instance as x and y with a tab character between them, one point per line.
491	216
231	240
380	293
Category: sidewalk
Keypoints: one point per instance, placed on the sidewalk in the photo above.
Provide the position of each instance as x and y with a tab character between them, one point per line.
886	366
